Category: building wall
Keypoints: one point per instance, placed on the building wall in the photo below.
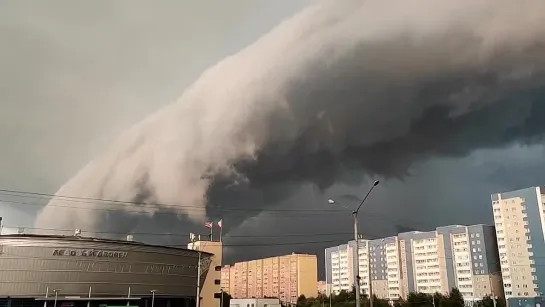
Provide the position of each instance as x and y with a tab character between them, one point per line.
307	275
232	279
268	285
339	269
394	276
225	274
254	302
209	287
458	256
519	218
30	266
252	279
285	277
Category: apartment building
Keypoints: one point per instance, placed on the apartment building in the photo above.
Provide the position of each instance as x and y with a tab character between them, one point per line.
339	268
383	263
519	218
465	257
284	277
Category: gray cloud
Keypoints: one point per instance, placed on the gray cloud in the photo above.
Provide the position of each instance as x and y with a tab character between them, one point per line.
74	75
342	91
441	107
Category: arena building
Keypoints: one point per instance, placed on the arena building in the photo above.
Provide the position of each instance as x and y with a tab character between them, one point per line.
74	271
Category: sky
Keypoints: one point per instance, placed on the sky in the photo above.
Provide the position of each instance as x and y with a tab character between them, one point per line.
75	77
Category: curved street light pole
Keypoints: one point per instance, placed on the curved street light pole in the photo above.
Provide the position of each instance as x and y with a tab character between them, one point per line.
357	256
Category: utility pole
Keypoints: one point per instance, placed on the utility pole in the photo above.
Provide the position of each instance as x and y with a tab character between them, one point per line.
198	299
357	258
371	299
357	254
492	290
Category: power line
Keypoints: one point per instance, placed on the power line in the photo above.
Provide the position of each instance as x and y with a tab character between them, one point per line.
75	199
143	211
305	213
184	234
101	201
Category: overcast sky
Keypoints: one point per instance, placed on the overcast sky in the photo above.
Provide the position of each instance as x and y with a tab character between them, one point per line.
75	74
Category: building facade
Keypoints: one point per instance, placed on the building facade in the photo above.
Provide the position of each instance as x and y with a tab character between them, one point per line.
255	302
519	218
463	257
209	286
284	277
81	271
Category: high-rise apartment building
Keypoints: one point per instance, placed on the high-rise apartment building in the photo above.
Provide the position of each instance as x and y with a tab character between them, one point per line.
284	277
520	229
465	257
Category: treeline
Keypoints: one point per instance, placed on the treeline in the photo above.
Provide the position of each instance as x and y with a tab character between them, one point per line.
348	299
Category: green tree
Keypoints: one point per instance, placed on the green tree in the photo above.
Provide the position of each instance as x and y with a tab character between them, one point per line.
488	302
454	299
419	300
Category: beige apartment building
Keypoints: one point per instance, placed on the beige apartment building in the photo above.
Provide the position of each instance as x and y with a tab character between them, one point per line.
284	277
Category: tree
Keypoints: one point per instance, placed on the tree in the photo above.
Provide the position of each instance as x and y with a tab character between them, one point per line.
343	296
455	299
488	302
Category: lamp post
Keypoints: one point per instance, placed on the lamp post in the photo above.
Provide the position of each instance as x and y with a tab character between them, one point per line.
153	297
357	262
56	295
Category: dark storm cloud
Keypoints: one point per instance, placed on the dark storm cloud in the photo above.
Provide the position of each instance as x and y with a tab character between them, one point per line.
343	91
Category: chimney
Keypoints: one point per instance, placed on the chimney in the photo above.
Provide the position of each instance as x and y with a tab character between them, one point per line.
130	238
77	233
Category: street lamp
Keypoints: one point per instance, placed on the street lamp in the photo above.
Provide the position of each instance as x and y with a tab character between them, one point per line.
355	216
56	295
153	297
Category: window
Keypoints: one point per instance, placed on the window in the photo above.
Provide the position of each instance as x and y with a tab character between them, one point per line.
477	235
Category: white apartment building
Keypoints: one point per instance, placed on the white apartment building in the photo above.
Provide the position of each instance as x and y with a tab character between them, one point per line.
519	218
463	257
394	272
340	269
426	270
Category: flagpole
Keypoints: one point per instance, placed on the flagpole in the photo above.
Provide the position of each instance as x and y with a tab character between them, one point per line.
221	229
